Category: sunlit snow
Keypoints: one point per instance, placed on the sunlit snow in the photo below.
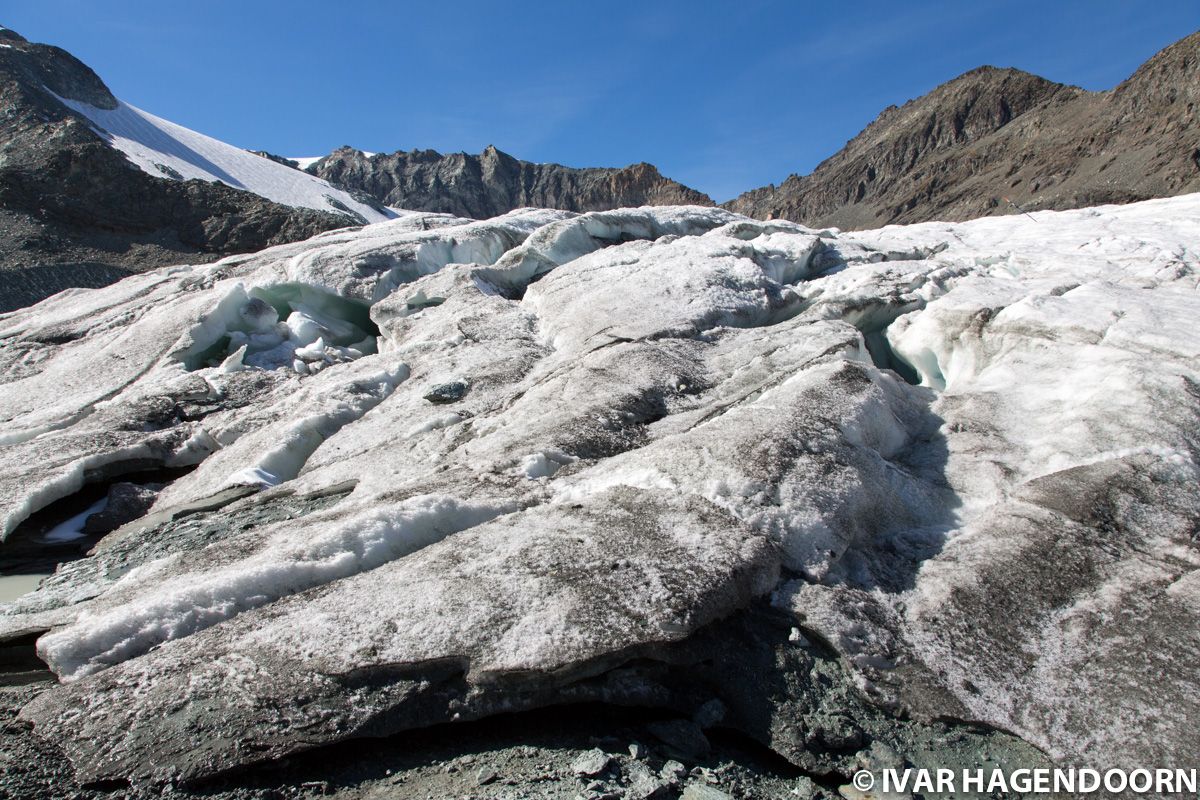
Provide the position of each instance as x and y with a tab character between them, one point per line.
166	150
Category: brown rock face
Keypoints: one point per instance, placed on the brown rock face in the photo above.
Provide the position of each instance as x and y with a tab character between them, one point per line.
991	134
75	212
493	183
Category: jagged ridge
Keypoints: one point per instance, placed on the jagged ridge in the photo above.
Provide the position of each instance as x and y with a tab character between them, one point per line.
494	183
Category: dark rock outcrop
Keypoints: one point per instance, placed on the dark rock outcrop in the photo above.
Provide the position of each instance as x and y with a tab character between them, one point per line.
993	141
494	182
75	212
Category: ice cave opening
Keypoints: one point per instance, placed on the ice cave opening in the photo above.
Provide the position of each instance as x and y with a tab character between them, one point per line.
67	528
285	325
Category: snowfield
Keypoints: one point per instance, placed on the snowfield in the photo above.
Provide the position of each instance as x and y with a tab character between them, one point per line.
448	468
166	150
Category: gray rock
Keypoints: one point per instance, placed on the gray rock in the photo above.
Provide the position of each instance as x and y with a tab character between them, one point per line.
643	784
591	763
681	738
493	183
126	502
450	392
700	791
673	771
807	789
836	733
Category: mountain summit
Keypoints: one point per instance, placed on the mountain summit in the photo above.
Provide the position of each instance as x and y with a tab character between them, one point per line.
994	140
88	193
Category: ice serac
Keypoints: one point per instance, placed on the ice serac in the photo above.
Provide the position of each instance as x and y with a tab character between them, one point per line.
449	468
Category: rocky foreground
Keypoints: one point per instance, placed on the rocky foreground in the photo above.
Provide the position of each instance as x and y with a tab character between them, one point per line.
921	495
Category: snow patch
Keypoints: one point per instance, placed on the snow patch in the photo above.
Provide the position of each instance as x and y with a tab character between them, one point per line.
304	162
544	464
278	453
433	424
160	147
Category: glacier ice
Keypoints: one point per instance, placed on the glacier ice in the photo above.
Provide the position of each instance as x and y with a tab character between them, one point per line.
489	465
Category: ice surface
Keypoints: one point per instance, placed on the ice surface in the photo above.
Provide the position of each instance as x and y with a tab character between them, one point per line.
563	443
112	632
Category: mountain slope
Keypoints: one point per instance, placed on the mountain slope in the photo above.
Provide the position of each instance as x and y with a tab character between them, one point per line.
494	182
163	149
991	134
75	211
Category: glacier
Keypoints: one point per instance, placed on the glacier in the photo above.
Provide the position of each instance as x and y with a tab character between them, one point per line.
164	149
440	469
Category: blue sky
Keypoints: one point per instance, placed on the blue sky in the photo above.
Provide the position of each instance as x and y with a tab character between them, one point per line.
724	96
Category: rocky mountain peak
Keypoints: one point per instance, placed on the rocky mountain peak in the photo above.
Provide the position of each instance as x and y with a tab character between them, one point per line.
891	151
994	140
1172	75
54	68
75	211
961	110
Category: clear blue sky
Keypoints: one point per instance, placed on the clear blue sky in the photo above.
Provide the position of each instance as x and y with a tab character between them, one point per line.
724	96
